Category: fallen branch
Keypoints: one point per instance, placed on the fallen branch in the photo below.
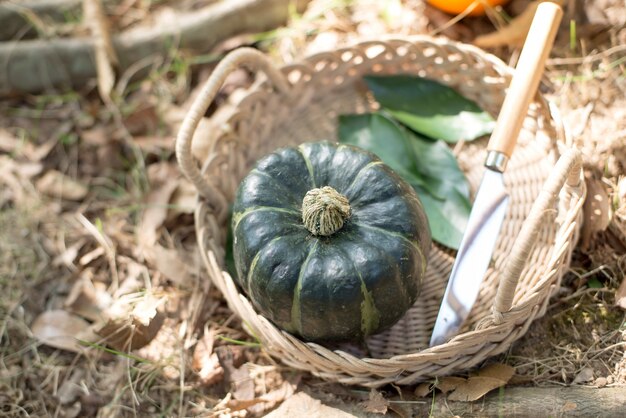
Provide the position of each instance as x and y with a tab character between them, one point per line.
21	18
575	401
33	66
532	402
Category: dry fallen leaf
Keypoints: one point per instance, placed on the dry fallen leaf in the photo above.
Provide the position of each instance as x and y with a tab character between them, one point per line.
487	379
449	383
475	388
62	330
596	211
156	212
515	32
423	389
67	257
132	323
171	264
21	147
205	361
96	136
376	403
497	371
87	299
164	181
184	199
620	295
70	389
57	184
269	400
585	375
302	405
238	377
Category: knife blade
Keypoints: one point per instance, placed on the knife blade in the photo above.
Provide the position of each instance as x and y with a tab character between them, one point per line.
491	201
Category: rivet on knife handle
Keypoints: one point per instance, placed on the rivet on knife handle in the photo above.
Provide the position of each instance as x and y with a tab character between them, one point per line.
524	85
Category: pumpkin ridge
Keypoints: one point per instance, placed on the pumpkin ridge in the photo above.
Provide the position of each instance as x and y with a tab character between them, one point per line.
238	216
370	315
309	165
358	205
396	235
296	313
365	167
255	260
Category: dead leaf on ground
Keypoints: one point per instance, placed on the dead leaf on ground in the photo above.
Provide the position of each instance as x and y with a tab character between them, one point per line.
596	211
515	32
497	371
376	403
585	375
205	362
70	389
154	144
423	389
616	236
171	263
16	176
21	147
87	299
449	383
97	136
62	330
184	199
475	387
620	295
156	212
132	323
67	257
57	184
264	402
238	377
144	119
303	405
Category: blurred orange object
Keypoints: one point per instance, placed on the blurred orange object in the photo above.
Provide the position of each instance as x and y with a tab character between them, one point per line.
458	6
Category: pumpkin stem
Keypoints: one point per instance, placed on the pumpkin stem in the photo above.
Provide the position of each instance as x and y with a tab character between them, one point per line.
324	210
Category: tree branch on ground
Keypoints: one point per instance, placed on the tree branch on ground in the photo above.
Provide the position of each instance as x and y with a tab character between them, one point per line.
36	65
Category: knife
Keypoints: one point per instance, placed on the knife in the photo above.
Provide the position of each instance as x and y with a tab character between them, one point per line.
490	204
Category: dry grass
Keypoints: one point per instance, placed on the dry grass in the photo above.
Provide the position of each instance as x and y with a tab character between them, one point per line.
132	234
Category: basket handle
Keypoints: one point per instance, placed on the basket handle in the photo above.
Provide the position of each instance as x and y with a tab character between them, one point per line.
248	57
567	171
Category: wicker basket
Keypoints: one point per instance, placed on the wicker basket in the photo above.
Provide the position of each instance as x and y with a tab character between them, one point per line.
299	103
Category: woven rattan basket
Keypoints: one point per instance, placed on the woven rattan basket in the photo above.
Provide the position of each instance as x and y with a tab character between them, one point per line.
299	103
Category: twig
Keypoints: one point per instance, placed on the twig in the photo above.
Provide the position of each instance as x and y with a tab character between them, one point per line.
587	59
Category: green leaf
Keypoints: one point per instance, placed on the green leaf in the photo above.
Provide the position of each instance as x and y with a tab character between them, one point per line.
447	219
376	133
430	108
594	283
439	167
430	167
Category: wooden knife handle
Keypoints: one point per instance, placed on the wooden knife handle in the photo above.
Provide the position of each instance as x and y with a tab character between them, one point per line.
526	78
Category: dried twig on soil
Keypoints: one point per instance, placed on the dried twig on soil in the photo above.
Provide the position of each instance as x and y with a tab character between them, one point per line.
32	66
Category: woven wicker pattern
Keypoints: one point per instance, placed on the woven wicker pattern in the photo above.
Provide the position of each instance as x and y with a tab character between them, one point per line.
300	103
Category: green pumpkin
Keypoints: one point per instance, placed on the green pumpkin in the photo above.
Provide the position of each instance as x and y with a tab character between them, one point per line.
329	243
